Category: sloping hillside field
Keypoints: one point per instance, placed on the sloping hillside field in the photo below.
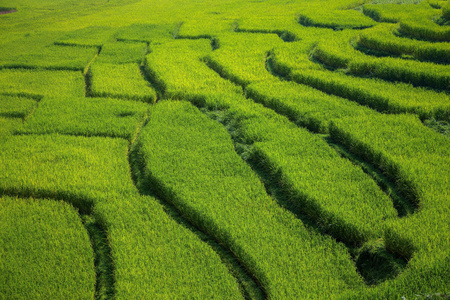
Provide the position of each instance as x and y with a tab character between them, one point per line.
224	149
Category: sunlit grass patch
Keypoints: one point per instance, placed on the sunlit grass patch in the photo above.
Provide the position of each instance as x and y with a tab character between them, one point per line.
145	32
45	251
41	82
89	36
122	53
87	117
77	169
55	57
120	81
16	107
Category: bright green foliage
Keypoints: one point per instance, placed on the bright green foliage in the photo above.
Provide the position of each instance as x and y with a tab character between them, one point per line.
16	107
339	53
303	105
7	125
77	169
291	56
416	20
89	36
156	258
145	32
87	117
120	81
215	189
45	251
241	57
418	158
335	19
380	95
37	83
177	70
55	57
122	53
380	38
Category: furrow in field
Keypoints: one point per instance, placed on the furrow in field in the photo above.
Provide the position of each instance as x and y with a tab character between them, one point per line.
249	286
47	239
102	260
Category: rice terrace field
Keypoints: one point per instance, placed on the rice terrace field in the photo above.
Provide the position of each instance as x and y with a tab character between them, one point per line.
224	149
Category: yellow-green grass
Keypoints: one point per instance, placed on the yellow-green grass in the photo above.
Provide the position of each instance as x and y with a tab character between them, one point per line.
378	94
87	117
94	36
16	107
177	70
146	32
120	81
382	38
335	19
218	192
8	125
122	53
93	174
38	83
416	20
54	57
45	251
241	57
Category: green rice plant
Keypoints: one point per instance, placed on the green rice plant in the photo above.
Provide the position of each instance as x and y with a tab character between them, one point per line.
291	56
122	53
45	251
8	125
336	51
145	32
87	117
157	258
242	56
94	36
38	83
55	57
446	10
177	70
378	94
218	192
380	38
418	158
93	174
425	29
391	12
413	72
120	81
339	53
335	19
16	107
76	169
305	106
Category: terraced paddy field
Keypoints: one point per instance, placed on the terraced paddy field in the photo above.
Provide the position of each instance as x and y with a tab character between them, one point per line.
199	149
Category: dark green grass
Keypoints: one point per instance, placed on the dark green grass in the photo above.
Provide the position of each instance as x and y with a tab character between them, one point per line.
87	117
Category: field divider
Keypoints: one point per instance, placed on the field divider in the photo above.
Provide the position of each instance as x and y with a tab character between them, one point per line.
97	232
250	287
